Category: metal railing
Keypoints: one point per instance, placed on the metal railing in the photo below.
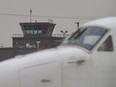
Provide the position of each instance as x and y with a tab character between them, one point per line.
53	35
60	35
18	35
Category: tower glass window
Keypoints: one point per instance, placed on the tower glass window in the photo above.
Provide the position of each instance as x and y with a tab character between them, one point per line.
31	31
35	32
39	31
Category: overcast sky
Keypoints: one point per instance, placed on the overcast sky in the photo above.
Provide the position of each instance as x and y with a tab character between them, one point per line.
81	10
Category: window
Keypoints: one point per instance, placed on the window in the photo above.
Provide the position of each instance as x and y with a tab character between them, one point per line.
28	31
31	31
86	37
39	31
35	31
107	45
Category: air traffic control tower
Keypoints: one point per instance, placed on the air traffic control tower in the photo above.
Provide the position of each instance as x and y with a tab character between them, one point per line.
36	35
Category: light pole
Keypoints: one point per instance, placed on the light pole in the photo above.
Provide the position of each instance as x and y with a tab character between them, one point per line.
64	32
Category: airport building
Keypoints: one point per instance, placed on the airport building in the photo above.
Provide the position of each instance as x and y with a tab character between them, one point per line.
36	36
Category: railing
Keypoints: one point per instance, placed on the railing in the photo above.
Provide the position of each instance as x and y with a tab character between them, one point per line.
53	35
18	35
60	35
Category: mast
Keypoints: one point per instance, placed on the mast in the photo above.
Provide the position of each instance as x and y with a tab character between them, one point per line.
30	15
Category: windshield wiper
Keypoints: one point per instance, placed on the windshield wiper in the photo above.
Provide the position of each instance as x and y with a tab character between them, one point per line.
79	33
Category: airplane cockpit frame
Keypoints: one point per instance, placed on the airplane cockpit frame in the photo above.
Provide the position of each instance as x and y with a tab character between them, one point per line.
86	37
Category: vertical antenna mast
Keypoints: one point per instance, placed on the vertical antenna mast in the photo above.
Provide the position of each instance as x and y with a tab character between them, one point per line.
77	25
30	14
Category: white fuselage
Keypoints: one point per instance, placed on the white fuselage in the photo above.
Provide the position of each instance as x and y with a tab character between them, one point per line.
66	66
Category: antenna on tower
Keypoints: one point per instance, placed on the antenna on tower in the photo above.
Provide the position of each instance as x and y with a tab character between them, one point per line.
30	15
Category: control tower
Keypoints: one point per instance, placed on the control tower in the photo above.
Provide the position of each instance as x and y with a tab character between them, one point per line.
36	35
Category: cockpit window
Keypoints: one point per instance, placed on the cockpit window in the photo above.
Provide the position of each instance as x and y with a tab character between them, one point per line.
107	45
85	37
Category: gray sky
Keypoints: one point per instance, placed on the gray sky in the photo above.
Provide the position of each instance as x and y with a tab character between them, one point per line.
81	10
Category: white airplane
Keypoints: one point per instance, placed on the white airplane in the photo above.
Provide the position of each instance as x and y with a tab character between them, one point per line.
87	58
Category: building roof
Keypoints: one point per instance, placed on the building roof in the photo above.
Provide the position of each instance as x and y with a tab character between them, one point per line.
36	23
